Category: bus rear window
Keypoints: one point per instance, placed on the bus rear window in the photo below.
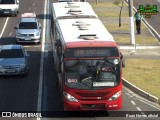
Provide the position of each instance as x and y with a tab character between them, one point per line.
91	52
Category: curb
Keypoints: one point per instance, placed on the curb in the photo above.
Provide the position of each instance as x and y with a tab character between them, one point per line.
139	91
138	47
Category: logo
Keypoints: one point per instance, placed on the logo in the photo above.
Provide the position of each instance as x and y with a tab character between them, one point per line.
6	114
148	10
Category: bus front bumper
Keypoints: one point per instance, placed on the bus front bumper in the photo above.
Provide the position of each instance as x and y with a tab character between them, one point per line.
92	106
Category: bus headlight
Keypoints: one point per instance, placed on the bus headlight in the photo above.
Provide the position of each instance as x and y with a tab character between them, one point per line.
69	97
116	61
115	96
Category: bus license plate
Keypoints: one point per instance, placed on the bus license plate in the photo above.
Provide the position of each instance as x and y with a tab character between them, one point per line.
6	12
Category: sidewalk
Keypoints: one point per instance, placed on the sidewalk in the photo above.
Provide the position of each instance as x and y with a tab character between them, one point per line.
147	47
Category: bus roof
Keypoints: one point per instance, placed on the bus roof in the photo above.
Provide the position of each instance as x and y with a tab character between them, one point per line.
68	10
84	32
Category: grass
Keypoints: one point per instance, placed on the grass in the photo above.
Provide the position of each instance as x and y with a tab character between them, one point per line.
108	11
102	4
143	73
103	14
122	35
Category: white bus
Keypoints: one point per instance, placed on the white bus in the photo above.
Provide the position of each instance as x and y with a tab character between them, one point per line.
68	10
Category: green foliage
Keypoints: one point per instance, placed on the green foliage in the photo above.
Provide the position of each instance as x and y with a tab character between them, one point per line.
145	74
116	2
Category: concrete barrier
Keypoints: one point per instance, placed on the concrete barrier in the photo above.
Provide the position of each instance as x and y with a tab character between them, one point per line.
139	91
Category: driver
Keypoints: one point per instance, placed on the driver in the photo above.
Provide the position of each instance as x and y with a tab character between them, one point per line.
82	71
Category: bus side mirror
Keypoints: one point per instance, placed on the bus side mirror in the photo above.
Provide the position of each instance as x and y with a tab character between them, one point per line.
123	60
57	43
17	1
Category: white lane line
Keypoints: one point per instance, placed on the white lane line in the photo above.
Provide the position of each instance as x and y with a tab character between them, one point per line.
129	95
31	46
5	24
10	33
41	62
158	108
138	108
133	103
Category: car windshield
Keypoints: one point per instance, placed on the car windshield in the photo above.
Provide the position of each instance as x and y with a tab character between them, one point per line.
91	74
28	25
12	53
7	1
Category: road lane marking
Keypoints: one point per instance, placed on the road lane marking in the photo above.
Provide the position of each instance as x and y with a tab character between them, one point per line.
129	95
10	33
41	62
5	24
138	108
36	46
133	103
140	98
149	104
46	47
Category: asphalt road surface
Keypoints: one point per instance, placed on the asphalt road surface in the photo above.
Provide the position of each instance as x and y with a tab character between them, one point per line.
38	90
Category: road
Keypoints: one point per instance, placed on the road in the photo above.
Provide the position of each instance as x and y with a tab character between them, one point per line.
38	90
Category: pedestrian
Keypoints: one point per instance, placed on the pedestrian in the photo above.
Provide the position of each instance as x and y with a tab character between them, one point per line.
138	18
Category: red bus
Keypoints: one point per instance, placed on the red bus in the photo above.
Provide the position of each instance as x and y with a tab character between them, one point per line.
89	65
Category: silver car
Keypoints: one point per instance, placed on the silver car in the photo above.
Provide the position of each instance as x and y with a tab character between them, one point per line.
9	7
13	60
28	29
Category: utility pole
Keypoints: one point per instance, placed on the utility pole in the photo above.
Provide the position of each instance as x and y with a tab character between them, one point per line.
132	36
96	1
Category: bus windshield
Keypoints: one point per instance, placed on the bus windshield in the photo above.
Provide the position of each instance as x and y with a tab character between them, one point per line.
92	74
7	1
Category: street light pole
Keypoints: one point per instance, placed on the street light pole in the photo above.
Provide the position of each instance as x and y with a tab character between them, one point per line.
132	36
96	1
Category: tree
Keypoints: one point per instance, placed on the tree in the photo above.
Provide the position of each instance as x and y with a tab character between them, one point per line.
120	4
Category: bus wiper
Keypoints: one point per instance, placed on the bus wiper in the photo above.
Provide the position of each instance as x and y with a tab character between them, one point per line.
92	73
